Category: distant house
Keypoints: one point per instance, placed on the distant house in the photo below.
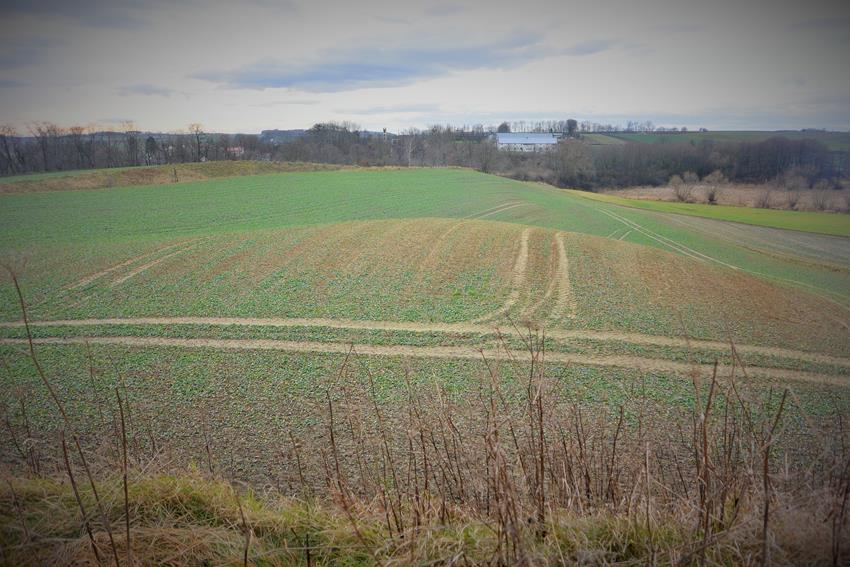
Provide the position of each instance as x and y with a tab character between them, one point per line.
527	141
236	151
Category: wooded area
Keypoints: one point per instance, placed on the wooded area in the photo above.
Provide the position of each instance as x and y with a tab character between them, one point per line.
574	163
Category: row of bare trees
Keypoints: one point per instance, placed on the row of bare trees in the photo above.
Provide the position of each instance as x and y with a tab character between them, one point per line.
46	146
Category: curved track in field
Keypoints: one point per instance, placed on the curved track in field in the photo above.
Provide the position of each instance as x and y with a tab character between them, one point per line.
445	352
448	328
517	280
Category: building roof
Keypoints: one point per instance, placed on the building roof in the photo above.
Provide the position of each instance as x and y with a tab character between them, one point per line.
526	138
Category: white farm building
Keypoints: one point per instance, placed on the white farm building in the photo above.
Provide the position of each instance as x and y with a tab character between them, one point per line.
526	141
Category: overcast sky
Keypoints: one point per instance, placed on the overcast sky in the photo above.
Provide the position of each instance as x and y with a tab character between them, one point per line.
249	65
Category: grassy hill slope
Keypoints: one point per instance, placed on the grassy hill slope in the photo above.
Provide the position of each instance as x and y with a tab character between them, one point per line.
821	223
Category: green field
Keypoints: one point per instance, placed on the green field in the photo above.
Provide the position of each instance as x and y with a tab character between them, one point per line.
364	244
822	223
602	140
254	288
835	141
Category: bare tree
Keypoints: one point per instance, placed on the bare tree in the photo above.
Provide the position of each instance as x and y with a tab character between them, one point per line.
489	155
713	182
131	142
47	135
151	149
573	164
196	129
764	199
7	137
75	134
681	190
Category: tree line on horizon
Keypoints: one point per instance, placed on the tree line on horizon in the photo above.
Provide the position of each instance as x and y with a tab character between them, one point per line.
574	163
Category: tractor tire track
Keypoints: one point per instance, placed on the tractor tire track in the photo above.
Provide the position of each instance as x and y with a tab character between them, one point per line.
566	303
502	210
517	281
431	257
528	313
89	279
144	267
629	362
448	328
699	256
559	285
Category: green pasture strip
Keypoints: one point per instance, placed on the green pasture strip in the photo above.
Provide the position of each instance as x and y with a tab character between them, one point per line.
602	139
821	223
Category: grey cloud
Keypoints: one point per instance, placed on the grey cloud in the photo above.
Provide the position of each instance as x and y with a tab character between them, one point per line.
296	102
115	120
22	53
11	83
442	10
122	14
823	24
145	90
678	28
392	20
392	109
366	67
590	47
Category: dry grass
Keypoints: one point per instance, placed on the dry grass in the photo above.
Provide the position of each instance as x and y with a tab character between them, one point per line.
154	175
745	196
